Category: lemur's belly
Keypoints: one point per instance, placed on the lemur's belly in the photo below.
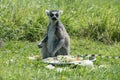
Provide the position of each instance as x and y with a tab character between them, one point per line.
51	40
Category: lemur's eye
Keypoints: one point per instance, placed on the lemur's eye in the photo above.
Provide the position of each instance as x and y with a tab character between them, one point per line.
51	15
56	15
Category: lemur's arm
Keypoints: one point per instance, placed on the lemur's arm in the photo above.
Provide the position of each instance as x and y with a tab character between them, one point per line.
44	39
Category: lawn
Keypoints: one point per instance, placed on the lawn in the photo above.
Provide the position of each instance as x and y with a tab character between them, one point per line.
94	28
15	65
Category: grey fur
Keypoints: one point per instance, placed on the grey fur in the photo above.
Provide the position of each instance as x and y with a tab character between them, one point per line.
57	40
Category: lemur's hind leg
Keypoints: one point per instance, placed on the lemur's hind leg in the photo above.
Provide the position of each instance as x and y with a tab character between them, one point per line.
44	51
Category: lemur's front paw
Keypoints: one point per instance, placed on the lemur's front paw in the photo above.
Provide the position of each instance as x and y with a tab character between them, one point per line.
51	54
40	45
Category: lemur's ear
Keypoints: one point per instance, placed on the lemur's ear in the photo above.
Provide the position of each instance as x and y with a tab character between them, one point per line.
47	12
60	12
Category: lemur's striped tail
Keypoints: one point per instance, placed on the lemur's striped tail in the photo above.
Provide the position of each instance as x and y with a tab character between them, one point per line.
93	56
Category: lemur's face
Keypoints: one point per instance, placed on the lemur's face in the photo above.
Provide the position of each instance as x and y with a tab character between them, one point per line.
54	14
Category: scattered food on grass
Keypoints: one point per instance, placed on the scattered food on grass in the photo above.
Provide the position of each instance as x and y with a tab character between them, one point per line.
36	57
103	66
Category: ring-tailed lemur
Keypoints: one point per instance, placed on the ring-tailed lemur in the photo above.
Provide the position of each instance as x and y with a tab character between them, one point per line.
57	40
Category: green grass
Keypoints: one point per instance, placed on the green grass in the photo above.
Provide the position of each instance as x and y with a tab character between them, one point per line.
15	65
93	25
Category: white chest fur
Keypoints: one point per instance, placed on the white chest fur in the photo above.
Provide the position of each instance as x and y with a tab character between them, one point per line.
51	38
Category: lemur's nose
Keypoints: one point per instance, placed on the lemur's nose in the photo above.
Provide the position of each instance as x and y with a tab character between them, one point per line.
54	18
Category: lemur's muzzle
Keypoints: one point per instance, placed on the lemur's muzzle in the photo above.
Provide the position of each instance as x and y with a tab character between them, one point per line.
54	18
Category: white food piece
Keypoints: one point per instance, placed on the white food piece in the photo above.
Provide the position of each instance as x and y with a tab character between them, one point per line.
103	66
50	66
36	57
86	63
31	58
